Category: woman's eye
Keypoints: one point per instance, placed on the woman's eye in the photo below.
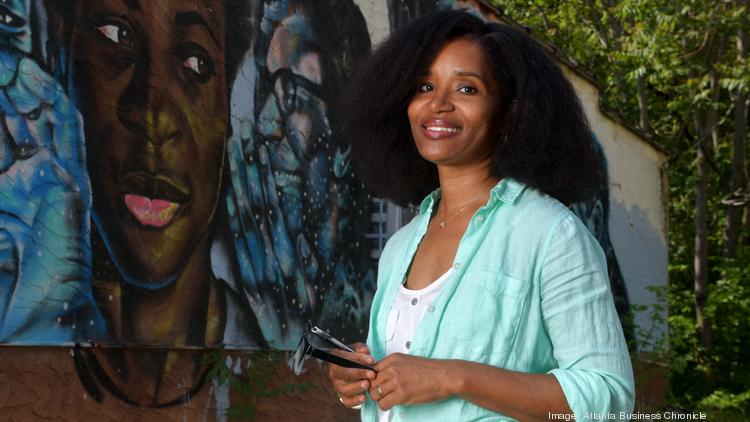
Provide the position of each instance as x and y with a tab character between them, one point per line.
200	66
467	90
425	87
114	33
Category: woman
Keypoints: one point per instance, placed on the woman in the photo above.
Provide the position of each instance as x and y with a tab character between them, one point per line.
494	300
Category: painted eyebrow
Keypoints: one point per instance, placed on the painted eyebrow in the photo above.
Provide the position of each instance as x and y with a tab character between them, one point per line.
186	19
132	4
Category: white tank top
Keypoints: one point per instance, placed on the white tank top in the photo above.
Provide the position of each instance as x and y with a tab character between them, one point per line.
404	317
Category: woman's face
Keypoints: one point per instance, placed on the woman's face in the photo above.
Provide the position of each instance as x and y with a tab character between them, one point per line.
455	114
151	83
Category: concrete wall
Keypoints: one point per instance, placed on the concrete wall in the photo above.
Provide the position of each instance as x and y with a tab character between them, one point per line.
638	199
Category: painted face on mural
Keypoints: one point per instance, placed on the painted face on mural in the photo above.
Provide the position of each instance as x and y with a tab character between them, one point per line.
151	81
293	118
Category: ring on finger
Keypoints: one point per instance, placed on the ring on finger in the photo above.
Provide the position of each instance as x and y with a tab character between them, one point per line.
379	391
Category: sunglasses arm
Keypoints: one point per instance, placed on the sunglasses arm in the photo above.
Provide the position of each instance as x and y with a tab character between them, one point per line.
346	363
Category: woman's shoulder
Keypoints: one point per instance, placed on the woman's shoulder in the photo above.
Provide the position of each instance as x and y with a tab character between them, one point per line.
560	219
534	219
537	205
533	214
562	231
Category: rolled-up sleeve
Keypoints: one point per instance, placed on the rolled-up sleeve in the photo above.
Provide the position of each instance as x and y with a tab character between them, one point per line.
594	368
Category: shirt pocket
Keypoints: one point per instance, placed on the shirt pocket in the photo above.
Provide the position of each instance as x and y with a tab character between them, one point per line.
483	316
391	324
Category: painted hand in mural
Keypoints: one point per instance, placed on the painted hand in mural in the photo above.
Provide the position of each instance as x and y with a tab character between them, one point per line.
45	258
266	213
295	208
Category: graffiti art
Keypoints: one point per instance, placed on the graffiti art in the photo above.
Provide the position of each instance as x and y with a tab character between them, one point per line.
172	175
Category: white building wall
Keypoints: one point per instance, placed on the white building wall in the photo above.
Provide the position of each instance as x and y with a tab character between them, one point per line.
638	199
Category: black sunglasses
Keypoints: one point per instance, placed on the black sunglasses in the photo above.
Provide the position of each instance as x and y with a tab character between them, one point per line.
307	349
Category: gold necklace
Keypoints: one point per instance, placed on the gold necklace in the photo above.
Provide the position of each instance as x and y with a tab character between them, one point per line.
460	210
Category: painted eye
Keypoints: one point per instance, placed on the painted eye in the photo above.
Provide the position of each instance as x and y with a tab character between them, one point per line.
200	66
113	32
195	64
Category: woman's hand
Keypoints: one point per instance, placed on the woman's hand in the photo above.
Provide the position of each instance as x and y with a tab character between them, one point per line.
405	379
351	383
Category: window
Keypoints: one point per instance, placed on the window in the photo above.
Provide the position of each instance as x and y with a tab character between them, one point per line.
385	219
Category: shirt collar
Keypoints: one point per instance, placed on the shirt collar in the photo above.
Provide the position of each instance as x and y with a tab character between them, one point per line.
507	190
429	200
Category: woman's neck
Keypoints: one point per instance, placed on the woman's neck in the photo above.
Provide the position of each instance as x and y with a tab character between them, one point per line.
460	186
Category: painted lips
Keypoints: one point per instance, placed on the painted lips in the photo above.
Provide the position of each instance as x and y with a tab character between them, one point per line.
151	212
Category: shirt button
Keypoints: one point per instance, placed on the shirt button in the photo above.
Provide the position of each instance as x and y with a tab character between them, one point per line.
431	308
402	414
456	266
414	301
408	345
480	219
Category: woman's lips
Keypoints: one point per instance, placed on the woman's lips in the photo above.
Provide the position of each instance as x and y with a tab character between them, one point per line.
439	132
440	128
151	212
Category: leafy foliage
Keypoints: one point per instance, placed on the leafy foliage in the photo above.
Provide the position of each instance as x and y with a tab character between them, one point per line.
253	384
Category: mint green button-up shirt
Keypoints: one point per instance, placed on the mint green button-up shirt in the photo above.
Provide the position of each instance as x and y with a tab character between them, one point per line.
530	293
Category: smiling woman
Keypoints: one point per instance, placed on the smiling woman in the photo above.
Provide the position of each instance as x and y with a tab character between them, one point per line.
493	303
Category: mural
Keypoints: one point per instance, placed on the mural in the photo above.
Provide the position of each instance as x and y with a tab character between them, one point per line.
172	175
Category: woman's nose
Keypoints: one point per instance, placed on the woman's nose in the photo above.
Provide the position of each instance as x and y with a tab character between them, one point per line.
441	102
